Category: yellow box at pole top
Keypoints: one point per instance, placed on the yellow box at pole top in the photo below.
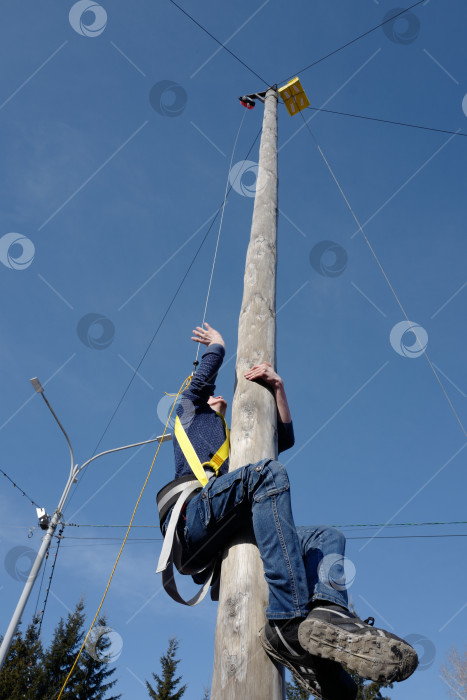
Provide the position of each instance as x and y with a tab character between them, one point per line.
294	97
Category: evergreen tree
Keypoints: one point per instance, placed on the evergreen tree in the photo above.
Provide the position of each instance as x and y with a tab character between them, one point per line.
366	690
22	673
166	687
95	665
60	655
30	673
370	690
87	682
294	692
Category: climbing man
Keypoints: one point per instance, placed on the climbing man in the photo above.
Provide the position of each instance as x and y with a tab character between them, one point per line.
309	628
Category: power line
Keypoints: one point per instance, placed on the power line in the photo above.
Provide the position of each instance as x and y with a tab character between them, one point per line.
149	540
101	544
319	60
47	591
389	121
116	539
33	503
401	537
362	525
451	522
34	617
85	525
198	24
344	46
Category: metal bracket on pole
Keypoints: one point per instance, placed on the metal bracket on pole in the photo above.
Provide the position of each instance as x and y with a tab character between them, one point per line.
248	101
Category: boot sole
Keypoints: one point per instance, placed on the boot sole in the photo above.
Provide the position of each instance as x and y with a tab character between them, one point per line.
372	656
272	653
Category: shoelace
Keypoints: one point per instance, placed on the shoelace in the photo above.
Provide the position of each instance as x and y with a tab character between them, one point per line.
369	621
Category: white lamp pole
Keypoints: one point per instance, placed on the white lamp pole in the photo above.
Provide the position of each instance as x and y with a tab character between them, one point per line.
74	471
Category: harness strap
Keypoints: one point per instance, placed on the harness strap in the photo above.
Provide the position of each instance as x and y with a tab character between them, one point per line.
168	495
171	552
170	587
166	552
192	458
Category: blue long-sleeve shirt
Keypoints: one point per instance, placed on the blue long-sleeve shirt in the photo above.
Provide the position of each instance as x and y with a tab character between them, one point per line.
202	425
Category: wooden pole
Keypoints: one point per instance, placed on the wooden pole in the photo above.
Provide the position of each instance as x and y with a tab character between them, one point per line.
242	671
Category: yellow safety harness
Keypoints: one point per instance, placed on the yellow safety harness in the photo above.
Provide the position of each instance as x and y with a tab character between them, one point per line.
174	496
192	458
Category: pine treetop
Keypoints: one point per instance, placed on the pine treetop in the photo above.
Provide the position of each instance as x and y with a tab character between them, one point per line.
166	686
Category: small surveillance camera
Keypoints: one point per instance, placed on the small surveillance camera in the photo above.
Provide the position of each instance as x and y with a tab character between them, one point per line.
44	519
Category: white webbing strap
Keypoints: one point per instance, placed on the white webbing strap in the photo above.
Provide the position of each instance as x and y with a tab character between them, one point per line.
170	533
171	550
168	581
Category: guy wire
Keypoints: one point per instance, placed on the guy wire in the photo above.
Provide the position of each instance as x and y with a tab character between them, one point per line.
383	272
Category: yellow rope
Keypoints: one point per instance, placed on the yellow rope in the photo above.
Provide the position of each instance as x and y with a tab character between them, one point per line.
184	386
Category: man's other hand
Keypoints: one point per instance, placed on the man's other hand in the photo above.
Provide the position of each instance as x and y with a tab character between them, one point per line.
264	372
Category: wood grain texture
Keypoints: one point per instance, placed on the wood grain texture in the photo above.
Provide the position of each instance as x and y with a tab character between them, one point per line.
241	668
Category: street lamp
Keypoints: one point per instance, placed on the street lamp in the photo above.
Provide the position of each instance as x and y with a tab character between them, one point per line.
50	524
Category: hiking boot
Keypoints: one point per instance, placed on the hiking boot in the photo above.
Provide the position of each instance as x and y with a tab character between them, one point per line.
325	679
334	633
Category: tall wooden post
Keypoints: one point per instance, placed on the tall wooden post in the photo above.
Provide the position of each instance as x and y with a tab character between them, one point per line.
242	671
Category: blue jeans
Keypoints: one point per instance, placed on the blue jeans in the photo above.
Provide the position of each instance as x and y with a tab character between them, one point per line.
301	564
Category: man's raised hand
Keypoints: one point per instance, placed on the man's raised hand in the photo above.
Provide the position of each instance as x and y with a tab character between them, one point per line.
207	335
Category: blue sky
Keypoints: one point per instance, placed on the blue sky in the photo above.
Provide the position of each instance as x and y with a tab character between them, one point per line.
111	199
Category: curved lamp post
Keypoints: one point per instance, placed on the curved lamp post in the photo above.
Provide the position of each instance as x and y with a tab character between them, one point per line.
52	525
